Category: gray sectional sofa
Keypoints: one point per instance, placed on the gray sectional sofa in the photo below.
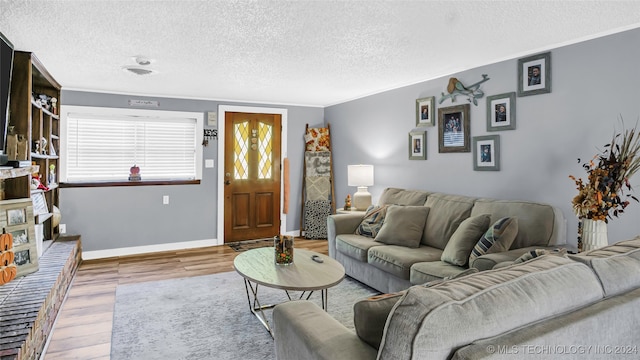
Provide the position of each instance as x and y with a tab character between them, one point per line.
443	247
584	306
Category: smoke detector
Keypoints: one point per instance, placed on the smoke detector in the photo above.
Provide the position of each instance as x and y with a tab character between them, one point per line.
142	66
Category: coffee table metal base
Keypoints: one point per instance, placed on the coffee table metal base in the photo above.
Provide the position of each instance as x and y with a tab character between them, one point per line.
257	309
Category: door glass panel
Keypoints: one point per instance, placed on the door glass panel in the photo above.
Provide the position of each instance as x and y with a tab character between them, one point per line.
265	145
241	150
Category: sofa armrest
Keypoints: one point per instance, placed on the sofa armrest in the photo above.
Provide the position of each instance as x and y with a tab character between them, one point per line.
302	331
341	224
489	261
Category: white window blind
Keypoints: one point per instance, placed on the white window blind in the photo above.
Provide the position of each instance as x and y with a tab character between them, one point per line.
103	145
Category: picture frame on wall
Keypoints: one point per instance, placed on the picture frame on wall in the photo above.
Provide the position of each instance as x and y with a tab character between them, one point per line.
534	74
454	129
425	111
418	145
486	153
501	112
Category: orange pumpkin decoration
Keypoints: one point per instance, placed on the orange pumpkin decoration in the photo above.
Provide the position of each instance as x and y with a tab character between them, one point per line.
6	242
6	258
7	274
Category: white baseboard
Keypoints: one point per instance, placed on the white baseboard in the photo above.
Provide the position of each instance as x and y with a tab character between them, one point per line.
136	250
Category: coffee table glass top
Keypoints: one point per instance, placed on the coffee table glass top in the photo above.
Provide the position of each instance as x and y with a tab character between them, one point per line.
258	265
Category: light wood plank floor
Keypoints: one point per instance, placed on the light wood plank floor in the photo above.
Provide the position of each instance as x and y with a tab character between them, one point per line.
83	328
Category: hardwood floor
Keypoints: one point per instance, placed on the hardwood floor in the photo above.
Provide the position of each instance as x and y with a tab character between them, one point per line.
83	328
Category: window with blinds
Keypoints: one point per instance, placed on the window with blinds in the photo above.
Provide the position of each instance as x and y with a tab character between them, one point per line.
102	144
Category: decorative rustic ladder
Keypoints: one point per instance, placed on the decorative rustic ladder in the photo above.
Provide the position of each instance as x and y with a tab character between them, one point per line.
318	190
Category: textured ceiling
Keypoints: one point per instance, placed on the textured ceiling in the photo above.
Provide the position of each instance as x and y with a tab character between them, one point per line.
313	53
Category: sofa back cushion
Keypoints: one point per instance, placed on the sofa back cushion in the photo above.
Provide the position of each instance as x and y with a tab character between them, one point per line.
446	214
430	323
617	266
536	222
395	196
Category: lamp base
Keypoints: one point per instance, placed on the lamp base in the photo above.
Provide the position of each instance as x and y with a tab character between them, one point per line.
361	199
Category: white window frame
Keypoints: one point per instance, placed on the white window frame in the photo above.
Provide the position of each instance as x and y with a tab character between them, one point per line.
65	110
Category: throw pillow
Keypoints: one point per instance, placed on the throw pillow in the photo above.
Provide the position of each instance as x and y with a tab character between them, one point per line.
498	238
539	252
403	226
370	316
372	221
464	239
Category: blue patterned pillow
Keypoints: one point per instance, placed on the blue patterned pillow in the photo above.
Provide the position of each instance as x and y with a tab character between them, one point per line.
497	238
539	252
372	221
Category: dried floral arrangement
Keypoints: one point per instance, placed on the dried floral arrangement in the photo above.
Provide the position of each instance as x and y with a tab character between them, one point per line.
608	173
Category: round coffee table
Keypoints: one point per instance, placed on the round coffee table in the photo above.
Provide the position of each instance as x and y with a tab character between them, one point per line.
258	267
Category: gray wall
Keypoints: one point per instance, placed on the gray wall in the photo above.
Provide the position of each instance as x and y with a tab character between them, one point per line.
593	83
128	216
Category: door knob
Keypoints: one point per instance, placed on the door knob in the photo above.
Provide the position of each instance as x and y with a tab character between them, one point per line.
227	182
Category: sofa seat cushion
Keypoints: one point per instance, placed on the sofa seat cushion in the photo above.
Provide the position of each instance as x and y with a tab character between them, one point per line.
355	246
403	226
446	214
397	260
617	266
431	322
424	272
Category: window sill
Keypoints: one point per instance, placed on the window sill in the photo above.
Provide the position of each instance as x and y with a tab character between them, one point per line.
128	183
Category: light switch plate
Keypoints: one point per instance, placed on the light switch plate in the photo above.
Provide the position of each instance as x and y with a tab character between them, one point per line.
212	119
208	163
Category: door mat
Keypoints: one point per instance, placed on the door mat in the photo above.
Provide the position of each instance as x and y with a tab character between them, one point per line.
245	245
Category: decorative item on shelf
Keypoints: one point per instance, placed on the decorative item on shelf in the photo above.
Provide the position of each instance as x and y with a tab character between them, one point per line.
43	146
283	245
54	106
600	196
347	202
362	177
134	173
51	179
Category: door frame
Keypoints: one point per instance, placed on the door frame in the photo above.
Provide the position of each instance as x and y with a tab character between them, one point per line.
222	112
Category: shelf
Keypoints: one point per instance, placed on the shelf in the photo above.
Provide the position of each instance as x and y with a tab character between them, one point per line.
11	173
41	156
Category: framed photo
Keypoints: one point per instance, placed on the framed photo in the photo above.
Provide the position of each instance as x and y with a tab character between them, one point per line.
534	75
17	219
486	153
454	129
418	145
16	216
39	203
501	112
425	110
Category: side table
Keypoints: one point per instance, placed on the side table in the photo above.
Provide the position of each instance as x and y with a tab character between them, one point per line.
343	211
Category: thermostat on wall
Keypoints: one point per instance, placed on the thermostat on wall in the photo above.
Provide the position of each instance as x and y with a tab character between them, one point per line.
212	119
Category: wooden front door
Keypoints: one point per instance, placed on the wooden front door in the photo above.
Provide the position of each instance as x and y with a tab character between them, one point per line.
251	176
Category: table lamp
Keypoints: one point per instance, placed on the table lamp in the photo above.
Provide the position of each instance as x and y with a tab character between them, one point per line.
360	176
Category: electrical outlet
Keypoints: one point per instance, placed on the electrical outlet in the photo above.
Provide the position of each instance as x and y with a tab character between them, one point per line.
63	228
165	199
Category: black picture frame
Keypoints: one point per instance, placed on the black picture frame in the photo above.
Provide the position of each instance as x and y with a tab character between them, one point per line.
530	83
454	129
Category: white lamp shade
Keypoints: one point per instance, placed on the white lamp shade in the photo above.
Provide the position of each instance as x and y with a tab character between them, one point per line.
360	175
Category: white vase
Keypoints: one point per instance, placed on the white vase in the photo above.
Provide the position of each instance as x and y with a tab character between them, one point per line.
594	234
